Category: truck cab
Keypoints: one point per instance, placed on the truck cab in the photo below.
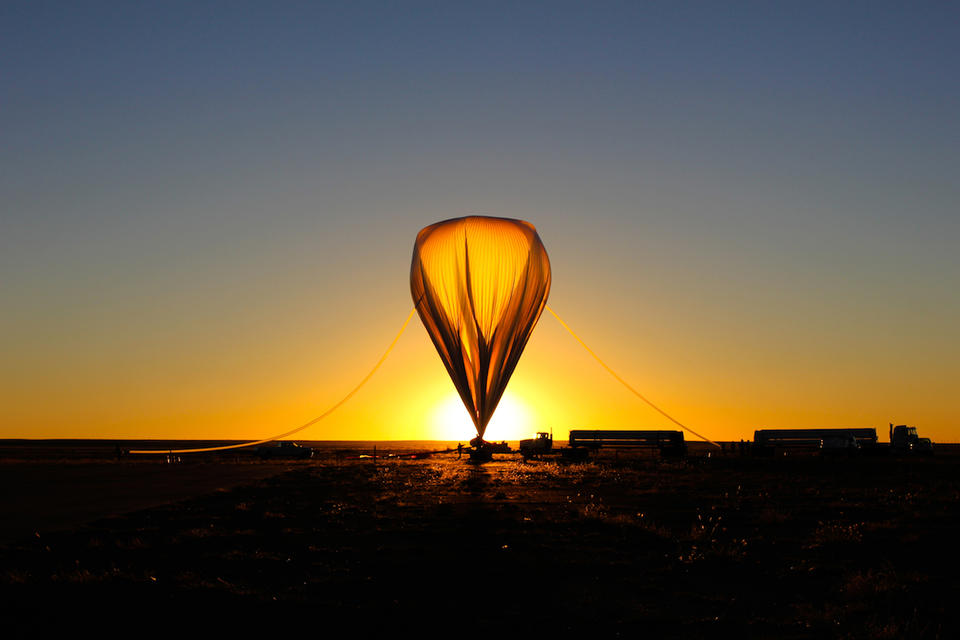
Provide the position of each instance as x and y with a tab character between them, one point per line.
905	439
533	447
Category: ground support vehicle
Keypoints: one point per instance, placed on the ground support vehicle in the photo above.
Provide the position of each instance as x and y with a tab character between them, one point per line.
668	443
536	447
286	450
769	441
904	440
482	451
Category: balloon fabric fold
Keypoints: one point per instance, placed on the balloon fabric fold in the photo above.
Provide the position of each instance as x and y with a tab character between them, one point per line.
479	285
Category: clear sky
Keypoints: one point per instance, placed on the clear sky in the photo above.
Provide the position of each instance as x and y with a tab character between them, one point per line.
207	211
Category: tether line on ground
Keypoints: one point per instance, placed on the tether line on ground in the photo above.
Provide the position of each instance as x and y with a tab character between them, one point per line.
301	427
626	384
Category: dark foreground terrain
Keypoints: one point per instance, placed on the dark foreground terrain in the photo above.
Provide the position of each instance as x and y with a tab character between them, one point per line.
728	546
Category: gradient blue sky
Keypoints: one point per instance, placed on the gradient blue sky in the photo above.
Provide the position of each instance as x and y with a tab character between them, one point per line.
208	208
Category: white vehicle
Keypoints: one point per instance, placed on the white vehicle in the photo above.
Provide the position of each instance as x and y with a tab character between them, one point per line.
284	449
839	444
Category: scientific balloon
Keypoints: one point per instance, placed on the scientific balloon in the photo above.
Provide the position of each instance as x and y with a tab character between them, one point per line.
480	285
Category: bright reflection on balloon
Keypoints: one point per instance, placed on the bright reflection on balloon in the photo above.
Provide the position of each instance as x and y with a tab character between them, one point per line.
480	285
450	420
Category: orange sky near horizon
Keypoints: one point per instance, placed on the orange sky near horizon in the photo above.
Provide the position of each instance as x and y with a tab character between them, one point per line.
205	383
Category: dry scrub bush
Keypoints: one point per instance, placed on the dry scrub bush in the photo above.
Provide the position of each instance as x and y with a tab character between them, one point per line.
863	584
834	533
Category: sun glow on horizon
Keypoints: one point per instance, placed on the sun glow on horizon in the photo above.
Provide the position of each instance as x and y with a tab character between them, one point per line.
512	420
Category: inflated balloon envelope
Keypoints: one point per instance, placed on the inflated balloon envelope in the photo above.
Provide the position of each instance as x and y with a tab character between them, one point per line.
480	285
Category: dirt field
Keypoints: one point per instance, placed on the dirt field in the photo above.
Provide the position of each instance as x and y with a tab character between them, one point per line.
797	547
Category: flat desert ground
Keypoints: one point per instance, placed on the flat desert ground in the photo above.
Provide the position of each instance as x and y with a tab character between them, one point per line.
621	546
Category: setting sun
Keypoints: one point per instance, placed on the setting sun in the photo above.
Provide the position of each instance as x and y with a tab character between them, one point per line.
511	421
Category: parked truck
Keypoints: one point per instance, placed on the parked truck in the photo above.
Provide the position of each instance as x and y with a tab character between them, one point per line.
284	449
827	441
535	447
904	439
668	443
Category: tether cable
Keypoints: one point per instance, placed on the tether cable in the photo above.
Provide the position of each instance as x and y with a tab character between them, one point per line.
627	385
304	425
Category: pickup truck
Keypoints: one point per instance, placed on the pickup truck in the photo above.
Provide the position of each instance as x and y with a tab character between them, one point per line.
284	450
